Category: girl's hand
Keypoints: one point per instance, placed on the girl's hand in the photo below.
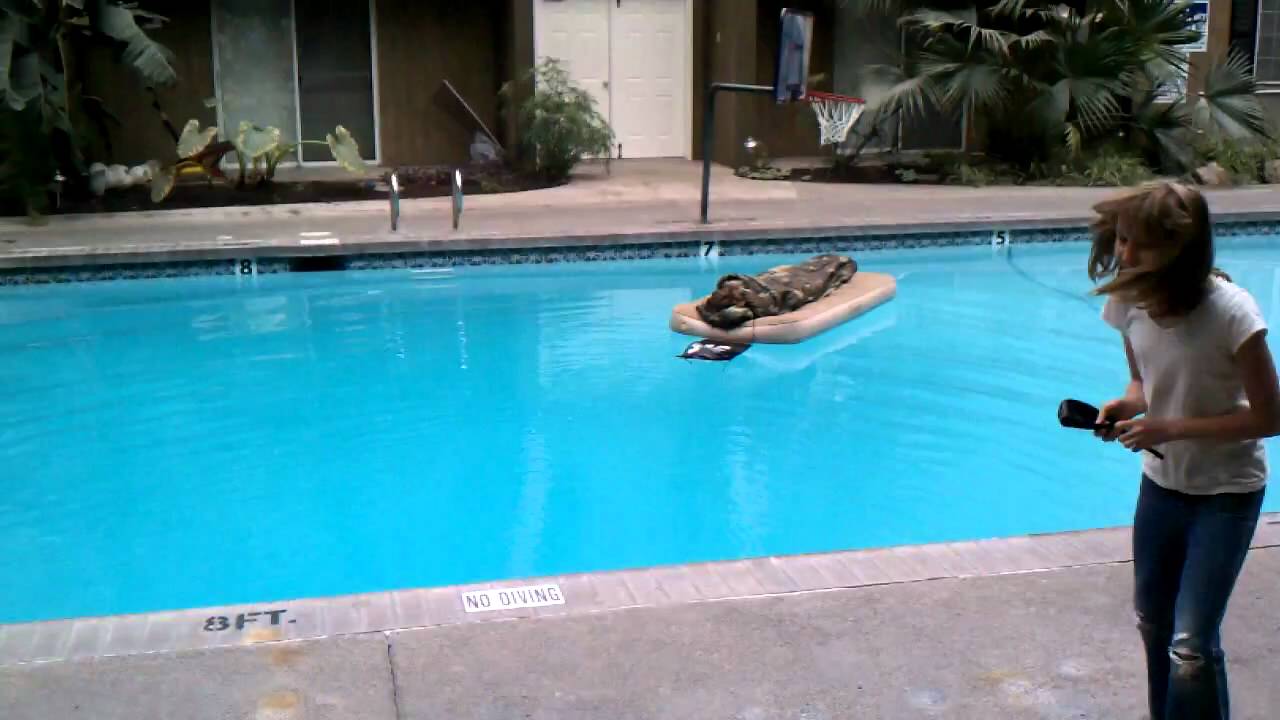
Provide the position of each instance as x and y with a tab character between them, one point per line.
1115	411
1146	432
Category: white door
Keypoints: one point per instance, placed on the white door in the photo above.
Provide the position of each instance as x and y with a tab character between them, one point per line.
576	32
638	74
648	68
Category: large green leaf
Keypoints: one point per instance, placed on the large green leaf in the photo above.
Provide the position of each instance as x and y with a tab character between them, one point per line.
24	81
149	58
345	151
8	31
193	139
253	141
162	182
148	20
54	100
17	8
1228	104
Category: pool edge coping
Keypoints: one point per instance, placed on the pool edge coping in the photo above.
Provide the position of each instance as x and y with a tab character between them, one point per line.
385	243
583	594
248	263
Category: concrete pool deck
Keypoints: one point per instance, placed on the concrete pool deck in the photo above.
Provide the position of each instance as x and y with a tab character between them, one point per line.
639	202
1026	627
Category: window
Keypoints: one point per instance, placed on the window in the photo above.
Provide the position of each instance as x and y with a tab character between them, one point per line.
1267	52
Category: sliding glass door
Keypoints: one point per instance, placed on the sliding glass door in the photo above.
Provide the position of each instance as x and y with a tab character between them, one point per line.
304	66
335	72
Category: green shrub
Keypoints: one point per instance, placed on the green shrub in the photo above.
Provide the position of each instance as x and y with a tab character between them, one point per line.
907	175
973	175
1115	168
1044	77
559	123
1244	160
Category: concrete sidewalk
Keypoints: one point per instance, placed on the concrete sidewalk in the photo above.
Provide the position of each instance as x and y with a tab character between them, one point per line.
1047	645
641	201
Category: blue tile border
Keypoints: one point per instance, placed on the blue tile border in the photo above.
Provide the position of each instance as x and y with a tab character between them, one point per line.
585	254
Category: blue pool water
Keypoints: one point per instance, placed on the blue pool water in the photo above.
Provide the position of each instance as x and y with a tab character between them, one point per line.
193	442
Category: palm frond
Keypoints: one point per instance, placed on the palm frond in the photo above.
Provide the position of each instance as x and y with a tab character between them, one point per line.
964	24
1051	107
1074	139
912	95
1009	7
1228	104
970	86
891	8
1161	128
1158	27
1034	40
1096	103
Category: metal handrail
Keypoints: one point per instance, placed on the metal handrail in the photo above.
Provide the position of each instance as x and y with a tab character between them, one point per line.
708	131
395	202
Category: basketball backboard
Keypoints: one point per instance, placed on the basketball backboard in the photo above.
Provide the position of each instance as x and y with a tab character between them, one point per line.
795	44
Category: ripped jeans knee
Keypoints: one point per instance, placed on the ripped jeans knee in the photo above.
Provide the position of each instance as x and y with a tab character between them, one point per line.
1191	656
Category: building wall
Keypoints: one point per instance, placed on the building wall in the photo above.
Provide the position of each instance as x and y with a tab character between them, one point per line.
791	130
862	41
515	61
421	44
141	135
731	36
700	59
742	47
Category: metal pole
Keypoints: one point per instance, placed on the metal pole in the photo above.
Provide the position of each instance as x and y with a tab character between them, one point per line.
395	202
708	136
708	131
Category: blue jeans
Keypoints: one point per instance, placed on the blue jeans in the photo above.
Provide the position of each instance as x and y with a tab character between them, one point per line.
1187	553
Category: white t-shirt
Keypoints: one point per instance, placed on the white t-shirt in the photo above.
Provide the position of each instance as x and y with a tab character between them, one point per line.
1188	370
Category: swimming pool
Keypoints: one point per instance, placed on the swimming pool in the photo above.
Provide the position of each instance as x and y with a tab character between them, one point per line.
206	441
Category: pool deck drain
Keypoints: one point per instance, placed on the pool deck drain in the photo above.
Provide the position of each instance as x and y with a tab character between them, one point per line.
581	594
990	638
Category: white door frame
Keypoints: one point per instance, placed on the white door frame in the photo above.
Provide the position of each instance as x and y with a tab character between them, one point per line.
297	95
686	143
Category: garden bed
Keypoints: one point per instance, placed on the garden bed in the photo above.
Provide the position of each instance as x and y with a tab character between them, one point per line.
415	182
1224	164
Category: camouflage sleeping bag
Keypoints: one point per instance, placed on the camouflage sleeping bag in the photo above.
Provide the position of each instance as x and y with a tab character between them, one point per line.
739	299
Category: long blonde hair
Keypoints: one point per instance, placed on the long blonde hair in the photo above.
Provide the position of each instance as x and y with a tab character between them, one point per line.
1171	222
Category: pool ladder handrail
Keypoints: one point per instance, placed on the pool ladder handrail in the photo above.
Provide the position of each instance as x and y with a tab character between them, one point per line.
394	197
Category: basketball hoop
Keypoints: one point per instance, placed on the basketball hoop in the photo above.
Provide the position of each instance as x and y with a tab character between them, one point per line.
836	114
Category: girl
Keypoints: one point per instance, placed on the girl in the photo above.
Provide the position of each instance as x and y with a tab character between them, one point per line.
1203	391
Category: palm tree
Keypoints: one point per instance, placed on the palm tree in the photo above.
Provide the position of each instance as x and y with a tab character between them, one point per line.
1045	78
